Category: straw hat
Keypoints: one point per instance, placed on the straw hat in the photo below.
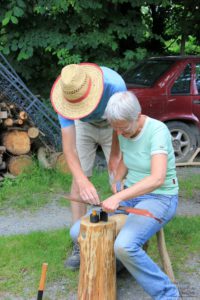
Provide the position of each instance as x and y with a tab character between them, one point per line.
78	90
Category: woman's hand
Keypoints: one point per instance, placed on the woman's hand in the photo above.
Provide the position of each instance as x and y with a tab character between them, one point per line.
110	204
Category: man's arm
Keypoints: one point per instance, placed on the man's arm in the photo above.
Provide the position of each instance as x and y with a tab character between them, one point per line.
85	188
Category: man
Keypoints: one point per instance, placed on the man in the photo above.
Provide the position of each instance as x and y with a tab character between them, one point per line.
79	96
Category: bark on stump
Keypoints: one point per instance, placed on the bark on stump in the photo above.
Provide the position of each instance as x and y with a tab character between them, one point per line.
18	164
97	279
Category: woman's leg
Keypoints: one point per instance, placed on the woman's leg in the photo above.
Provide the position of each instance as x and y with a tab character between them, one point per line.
129	242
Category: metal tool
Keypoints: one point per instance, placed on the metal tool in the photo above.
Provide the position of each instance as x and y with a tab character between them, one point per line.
129	210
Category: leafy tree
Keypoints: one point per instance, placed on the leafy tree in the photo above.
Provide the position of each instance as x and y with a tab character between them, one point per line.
41	36
182	26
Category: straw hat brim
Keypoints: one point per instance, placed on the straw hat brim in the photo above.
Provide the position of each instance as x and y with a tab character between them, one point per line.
81	109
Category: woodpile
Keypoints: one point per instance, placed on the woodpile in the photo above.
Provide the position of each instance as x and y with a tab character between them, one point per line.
19	140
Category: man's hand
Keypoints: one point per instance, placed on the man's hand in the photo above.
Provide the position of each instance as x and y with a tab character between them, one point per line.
87	191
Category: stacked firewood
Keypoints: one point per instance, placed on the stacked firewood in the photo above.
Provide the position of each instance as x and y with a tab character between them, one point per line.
19	140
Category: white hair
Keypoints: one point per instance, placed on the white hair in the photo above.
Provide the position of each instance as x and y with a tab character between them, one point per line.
122	106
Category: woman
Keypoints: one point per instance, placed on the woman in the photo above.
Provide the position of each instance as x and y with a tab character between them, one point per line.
147	169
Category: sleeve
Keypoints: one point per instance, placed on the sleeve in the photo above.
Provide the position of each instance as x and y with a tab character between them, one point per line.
64	122
160	140
120	85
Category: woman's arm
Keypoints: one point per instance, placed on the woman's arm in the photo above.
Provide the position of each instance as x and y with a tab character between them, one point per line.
142	187
119	176
115	154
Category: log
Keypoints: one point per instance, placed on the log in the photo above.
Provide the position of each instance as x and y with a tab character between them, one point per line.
19	164
97	279
3	114
17	142
8	122
61	164
33	132
43	158
23	115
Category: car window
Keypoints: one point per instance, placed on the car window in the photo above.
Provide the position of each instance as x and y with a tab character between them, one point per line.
182	84
147	72
198	77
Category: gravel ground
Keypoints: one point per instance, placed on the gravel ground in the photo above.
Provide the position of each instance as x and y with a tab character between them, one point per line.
53	216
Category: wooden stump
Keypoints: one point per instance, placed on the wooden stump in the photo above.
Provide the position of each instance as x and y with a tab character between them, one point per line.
97	279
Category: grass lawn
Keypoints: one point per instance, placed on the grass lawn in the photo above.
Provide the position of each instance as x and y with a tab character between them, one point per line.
38	186
23	255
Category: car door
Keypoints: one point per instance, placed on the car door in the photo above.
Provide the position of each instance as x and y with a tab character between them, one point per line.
179	102
196	92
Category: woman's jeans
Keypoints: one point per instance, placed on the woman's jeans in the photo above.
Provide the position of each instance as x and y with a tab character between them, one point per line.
130	240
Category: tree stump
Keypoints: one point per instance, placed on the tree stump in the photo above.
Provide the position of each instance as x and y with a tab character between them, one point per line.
97	279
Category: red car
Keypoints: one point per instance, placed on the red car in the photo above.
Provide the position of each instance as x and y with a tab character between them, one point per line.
168	89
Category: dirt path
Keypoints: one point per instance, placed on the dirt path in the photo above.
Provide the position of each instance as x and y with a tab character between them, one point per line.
53	216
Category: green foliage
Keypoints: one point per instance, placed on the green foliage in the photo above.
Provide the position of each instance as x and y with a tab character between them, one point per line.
42	35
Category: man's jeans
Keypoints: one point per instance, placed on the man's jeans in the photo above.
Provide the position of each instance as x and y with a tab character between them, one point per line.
136	231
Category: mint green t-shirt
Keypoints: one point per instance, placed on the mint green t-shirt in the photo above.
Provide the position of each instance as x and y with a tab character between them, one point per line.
154	138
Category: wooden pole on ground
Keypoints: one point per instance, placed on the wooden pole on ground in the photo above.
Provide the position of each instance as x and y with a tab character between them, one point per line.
162	248
42	281
97	279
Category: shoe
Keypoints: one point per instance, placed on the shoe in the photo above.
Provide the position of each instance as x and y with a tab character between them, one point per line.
119	266
73	262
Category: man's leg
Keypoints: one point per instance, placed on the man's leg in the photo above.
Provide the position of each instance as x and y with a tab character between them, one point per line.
86	146
105	141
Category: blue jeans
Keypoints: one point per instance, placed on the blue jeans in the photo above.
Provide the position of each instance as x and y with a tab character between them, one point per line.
138	230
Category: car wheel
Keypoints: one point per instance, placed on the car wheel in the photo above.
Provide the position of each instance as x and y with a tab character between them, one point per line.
184	140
